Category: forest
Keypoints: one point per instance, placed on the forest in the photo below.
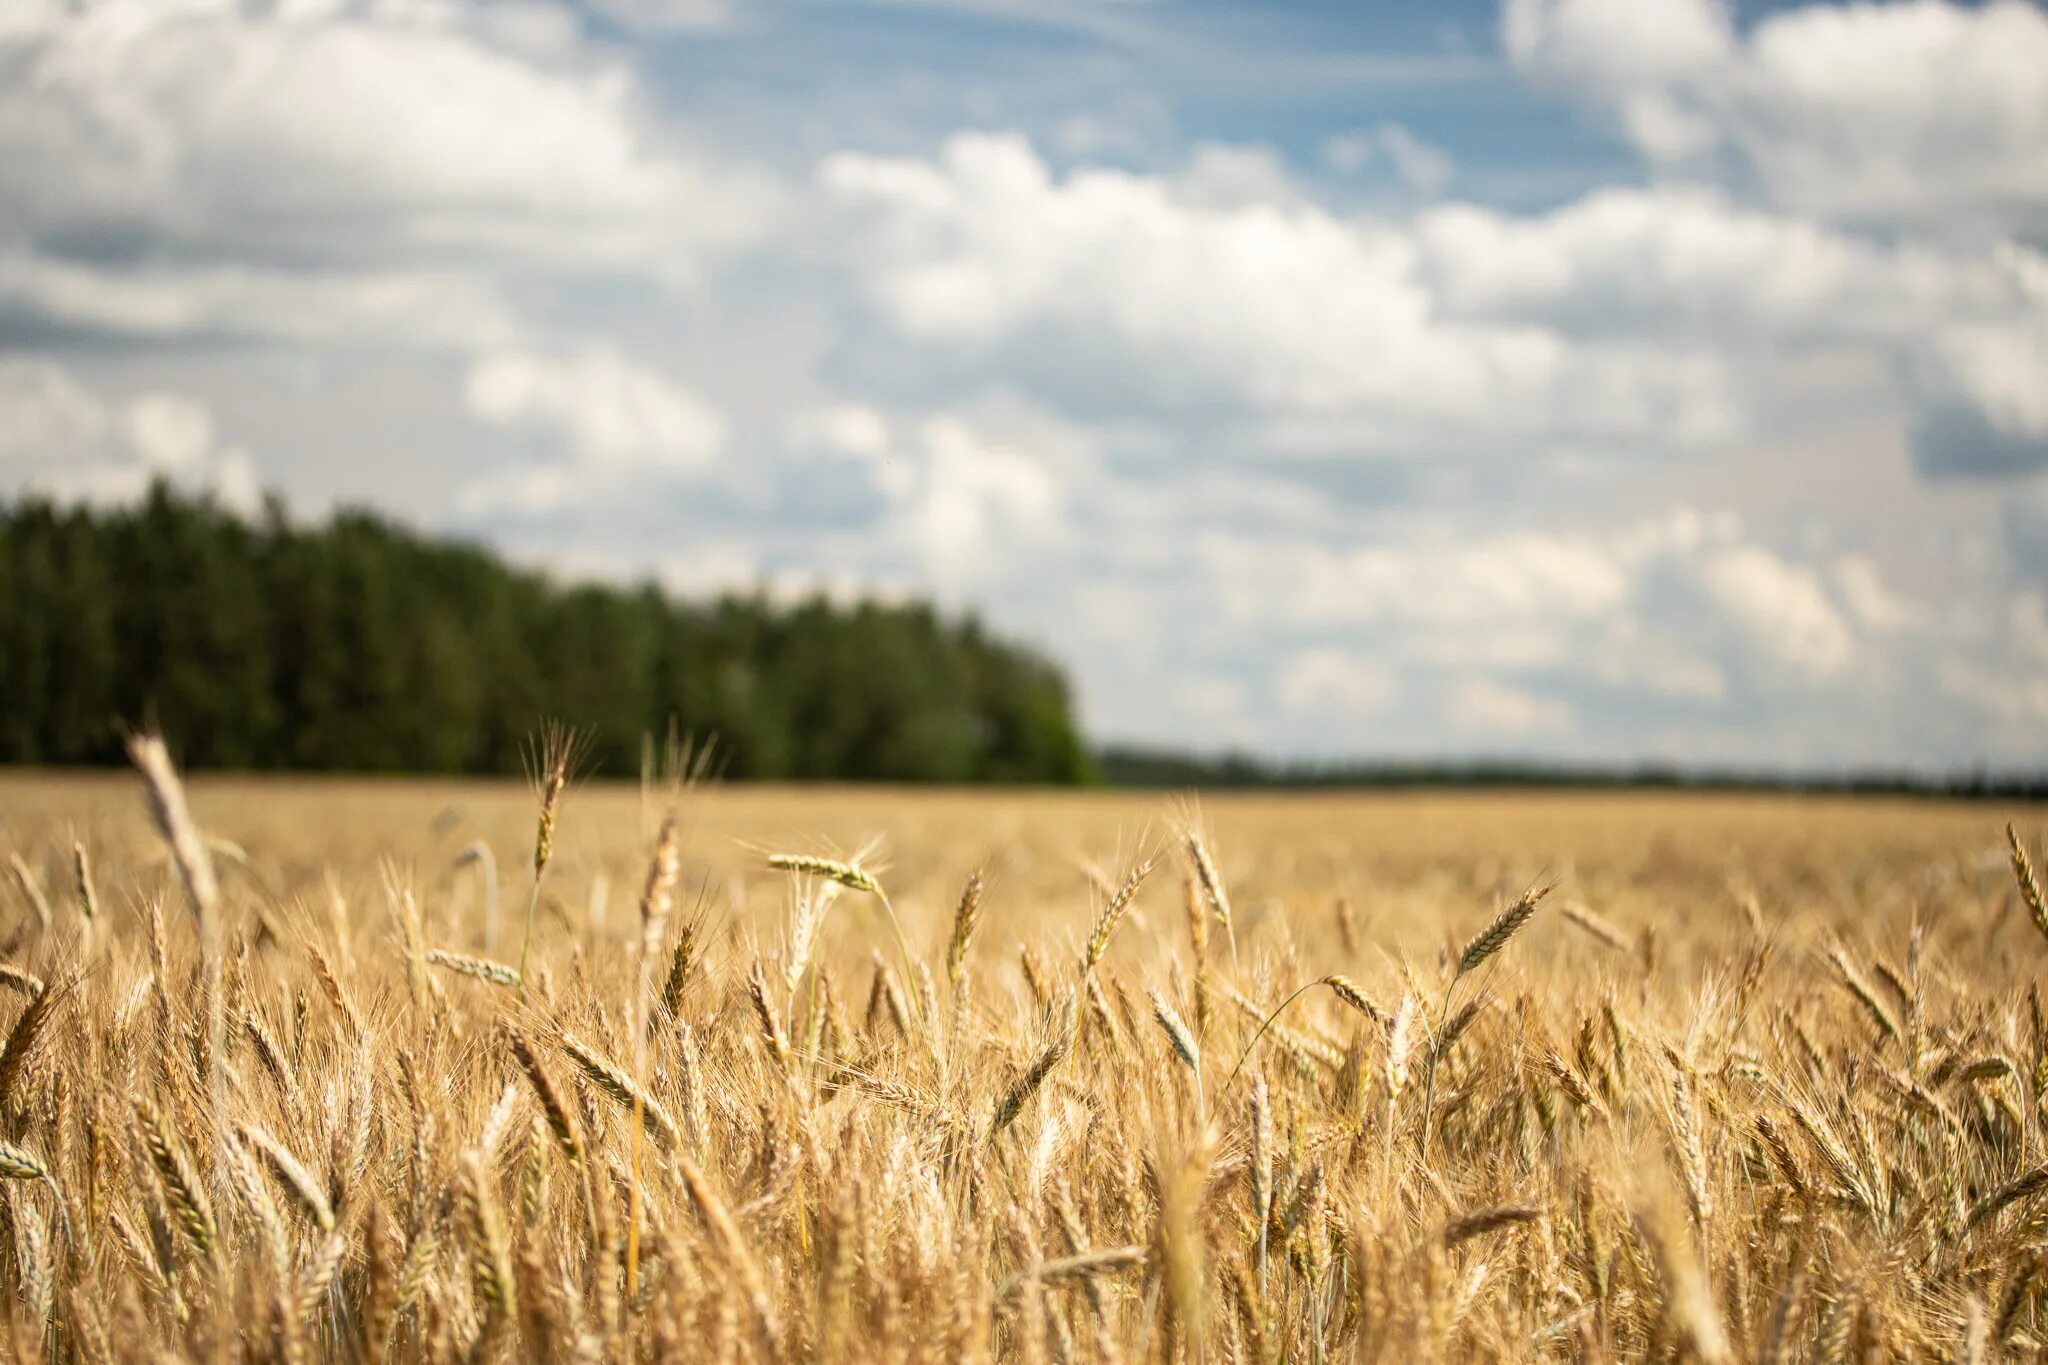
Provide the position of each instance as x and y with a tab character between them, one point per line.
358	645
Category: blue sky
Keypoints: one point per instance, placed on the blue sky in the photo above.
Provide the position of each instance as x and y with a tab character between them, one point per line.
1589	379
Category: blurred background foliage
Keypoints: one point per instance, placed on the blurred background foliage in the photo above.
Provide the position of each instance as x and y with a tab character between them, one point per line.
357	645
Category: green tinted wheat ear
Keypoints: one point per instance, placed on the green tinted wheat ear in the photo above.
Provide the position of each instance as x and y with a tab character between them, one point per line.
174	821
30	1027
1033	1076
1347	990
1599	928
482	968
1177	1032
657	901
764	1015
1212	887
850	875
679	964
1483	1221
560	1122
15	979
1865	996
549	767
966	918
1077	1269
82	887
31	890
16	1164
550	764
1343	987
1260	1119
1183	1040
292	1176
2030	887
182	1187
2014	1191
854	877
618	1087
1505	926
1485	945
1113	912
490	1256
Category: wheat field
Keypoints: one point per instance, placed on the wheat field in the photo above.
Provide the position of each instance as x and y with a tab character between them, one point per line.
832	1075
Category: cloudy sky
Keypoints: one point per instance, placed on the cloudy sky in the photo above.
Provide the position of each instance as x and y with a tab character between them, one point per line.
1601	379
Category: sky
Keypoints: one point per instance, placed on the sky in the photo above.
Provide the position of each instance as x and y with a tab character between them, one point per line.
1588	380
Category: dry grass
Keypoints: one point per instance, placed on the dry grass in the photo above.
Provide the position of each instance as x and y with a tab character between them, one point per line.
1758	1080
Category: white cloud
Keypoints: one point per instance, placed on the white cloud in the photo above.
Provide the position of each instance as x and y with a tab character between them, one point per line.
200	123
1630	52
1784	608
170	430
149	302
1965	332
1528	574
49	415
1130	289
668	16
1328	680
1924	111
1491	707
1670	606
615	417
1421	166
177	170
1867	600
958	498
1616	43
2001	371
1648	259
63	440
2019	702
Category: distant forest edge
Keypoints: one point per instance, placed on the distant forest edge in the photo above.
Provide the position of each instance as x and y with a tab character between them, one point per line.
360	646
357	645
1127	766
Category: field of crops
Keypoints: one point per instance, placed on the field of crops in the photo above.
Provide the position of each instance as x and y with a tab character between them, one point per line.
829	1075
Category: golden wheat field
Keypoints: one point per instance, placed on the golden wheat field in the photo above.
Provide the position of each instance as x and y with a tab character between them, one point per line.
1268	1078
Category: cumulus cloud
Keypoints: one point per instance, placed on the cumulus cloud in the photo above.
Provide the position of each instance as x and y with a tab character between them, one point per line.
1988	407
958	499
1644	260
668	16
1964	332
1641	320
1114	289
61	439
1326	679
1420	165
1682	606
1784	608
1629	52
616	419
614	412
52	299
1924	112
1489	707
173	170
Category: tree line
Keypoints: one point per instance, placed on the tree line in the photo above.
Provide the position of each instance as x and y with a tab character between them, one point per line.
357	645
1141	767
